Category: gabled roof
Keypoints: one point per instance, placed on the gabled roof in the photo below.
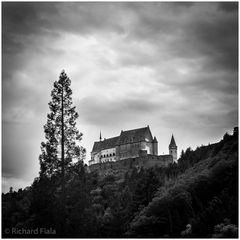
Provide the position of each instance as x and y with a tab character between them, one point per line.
172	143
130	136
105	144
135	135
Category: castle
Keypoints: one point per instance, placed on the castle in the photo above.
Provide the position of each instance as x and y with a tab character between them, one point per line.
131	144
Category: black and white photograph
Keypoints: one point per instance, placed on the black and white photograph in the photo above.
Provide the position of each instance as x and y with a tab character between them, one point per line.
119	119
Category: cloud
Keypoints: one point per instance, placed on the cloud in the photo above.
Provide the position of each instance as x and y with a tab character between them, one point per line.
228	6
110	112
21	148
191	33
216	41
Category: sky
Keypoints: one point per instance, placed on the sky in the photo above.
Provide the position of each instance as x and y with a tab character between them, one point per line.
172	66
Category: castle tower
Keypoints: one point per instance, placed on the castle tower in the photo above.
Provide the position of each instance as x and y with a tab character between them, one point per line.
155	146
173	149
100	138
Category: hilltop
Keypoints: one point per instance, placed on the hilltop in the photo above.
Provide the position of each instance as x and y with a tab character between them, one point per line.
201	197
198	197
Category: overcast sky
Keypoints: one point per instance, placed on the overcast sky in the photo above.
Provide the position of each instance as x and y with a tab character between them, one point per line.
172	66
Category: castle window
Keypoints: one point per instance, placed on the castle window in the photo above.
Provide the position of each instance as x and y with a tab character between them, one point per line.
113	154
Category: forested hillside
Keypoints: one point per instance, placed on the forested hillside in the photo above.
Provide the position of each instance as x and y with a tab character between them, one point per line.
198	197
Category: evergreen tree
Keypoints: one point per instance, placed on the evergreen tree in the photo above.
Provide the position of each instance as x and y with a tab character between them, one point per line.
61	148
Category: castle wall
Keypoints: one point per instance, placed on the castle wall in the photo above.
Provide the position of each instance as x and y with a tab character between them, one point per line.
149	148
147	161
105	155
108	155
131	150
95	157
155	148
128	150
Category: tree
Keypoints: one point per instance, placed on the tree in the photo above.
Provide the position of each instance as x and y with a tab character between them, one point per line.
61	148
61	152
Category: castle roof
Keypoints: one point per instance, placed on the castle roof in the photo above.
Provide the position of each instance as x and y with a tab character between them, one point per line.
130	136
105	144
173	143
135	135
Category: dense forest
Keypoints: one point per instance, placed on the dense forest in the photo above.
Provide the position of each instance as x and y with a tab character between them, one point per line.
198	197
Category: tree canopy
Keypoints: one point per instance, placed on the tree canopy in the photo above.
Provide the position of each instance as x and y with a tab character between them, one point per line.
61	148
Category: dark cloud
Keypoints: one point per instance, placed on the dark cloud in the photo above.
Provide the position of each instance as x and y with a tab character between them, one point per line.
113	112
211	35
215	83
228	6
21	19
199	31
177	5
217	42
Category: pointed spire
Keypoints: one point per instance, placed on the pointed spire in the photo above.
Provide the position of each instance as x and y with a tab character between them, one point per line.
172	143
100	136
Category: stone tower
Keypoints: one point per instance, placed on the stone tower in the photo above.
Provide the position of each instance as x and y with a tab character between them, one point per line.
173	149
155	146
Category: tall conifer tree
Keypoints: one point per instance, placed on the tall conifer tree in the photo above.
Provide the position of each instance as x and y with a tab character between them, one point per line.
61	149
